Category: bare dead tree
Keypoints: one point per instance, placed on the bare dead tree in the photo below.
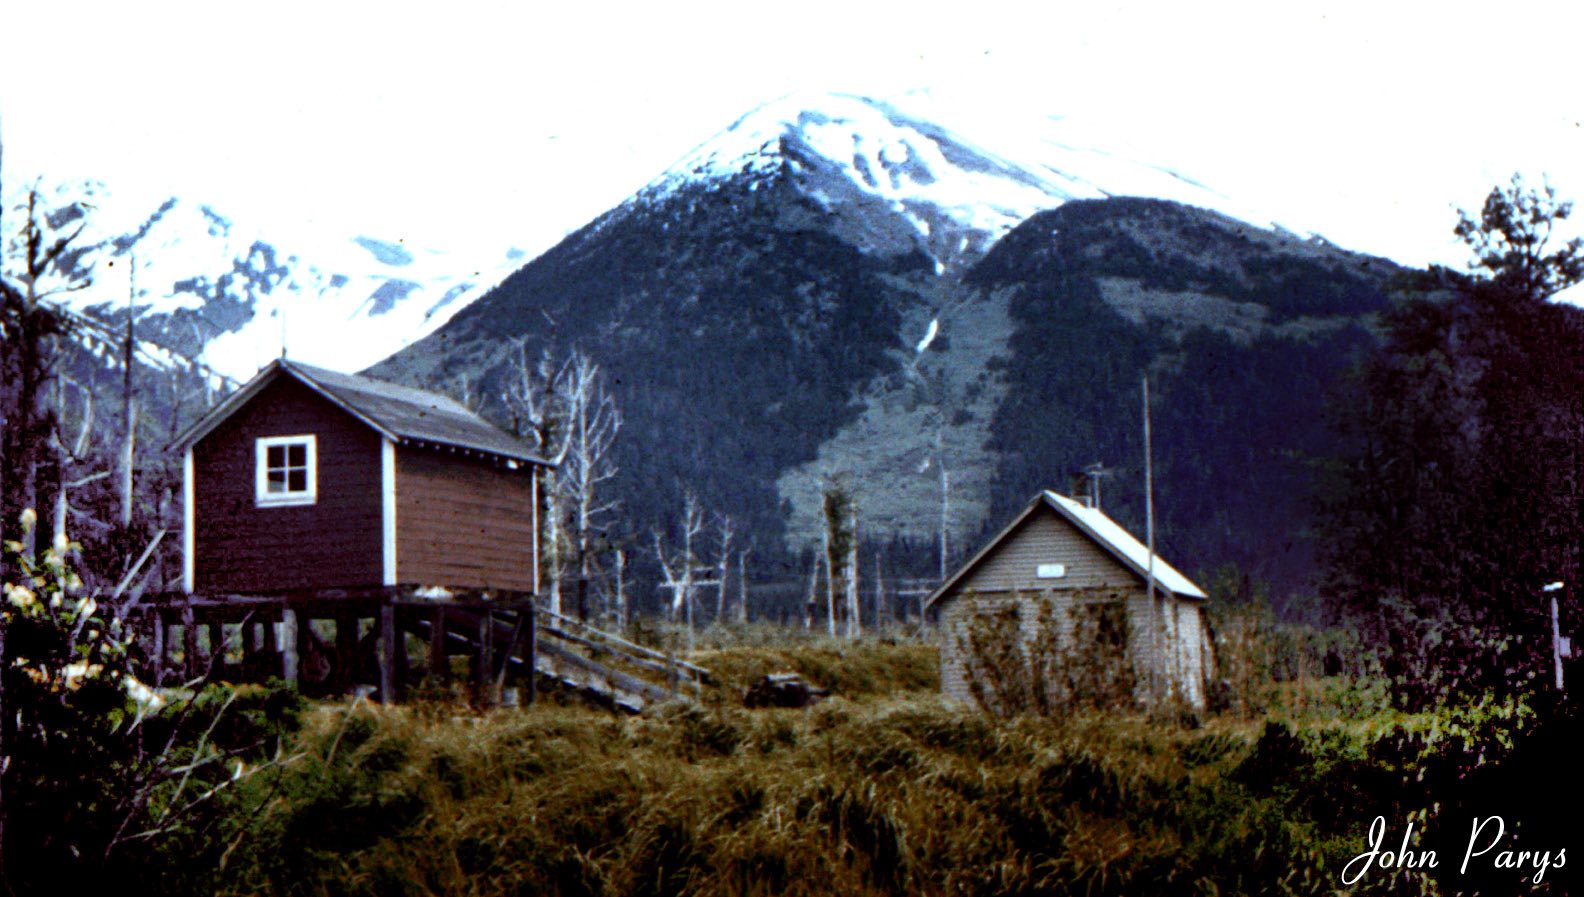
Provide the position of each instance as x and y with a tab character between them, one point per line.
742	583
726	529
587	459
678	569
69	456
935	389
812	600
841	556
32	285
621	589
129	409
854	621
881	612
534	398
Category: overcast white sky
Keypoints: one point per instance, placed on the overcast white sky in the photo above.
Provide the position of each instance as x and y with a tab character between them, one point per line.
517	123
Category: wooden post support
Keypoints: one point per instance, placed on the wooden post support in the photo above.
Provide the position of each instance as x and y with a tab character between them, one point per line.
481	665
503	660
159	648
439	665
288	644
251	668
189	642
387	652
346	651
531	680
217	651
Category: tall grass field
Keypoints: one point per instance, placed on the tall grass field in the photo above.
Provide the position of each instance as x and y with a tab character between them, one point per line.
884	789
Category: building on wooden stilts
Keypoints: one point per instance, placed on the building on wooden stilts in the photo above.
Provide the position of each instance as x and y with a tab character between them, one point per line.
325	514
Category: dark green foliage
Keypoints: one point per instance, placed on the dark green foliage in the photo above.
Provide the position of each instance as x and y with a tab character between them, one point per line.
1461	483
99	769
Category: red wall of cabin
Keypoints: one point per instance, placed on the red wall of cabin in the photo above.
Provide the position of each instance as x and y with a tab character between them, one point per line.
335	542
463	521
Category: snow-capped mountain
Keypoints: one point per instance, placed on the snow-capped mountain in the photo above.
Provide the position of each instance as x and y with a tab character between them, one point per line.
947	191
833	288
224	294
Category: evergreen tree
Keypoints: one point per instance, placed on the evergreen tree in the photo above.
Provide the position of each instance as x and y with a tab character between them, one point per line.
1459	494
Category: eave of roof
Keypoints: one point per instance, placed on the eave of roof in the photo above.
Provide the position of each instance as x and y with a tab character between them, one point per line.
1100	529
398	413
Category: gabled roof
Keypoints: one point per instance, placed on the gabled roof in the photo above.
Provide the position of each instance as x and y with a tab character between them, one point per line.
399	413
1094	523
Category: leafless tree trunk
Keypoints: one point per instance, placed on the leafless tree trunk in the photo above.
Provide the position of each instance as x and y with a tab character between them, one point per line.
587	461
945	514
30	321
621	590
830	582
727	529
850	576
678	569
881	612
571	417
534	401
742	584
128	406
812	601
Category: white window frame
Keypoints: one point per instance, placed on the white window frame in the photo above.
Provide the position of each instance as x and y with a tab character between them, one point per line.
266	499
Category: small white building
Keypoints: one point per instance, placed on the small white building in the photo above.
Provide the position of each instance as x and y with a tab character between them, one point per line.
1060	560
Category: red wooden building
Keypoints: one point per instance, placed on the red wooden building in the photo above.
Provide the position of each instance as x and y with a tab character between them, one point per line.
306	479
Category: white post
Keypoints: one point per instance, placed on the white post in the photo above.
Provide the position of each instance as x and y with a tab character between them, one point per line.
1556	633
189	525
1149	530
388	510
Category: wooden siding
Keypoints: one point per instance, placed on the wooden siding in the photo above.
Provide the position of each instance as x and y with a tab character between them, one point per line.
1046	538
332	543
463	522
1008	576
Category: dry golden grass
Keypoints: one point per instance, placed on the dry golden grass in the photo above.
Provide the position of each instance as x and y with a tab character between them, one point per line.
882	789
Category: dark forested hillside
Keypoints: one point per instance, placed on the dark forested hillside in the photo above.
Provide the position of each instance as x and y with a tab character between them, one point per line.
736	328
756	349
1241	331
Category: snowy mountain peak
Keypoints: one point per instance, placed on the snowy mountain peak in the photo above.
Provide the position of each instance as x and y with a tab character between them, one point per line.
217	292
956	195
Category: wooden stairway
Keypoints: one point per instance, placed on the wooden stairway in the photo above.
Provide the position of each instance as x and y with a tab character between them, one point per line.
599	665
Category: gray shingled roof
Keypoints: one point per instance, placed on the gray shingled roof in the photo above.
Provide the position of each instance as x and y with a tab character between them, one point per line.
399	412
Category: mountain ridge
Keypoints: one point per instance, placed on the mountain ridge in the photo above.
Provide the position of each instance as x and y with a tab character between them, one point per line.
762	319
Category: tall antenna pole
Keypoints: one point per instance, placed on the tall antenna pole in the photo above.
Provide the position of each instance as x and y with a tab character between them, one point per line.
128	403
1149	531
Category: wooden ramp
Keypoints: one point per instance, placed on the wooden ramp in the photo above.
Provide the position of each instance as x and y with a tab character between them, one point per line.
596	664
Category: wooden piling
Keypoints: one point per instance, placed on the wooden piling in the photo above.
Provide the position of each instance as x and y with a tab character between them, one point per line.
439	664
217	651
160	648
532	640
387	652
289	644
346	651
189	642
482	665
